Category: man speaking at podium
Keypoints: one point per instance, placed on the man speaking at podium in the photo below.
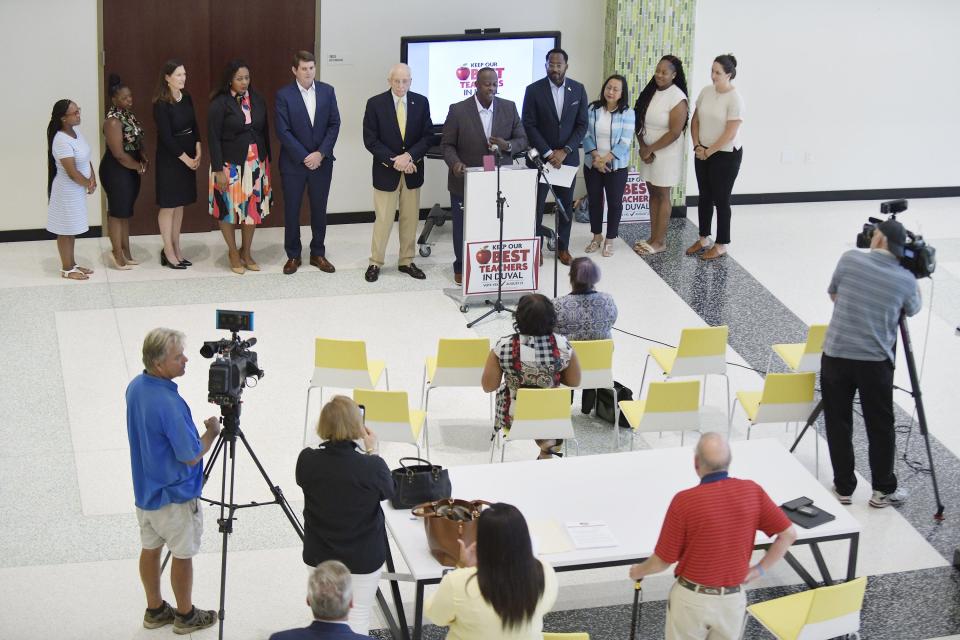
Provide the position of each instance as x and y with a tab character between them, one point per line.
472	130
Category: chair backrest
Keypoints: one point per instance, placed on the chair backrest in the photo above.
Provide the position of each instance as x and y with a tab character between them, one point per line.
835	610
815	336
701	350
340	354
541	413
671	406
386	413
460	362
596	363
786	397
566	636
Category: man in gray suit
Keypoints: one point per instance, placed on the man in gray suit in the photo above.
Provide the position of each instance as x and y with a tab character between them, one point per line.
472	128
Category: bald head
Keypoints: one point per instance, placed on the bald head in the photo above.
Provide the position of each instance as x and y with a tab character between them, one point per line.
713	454
399	79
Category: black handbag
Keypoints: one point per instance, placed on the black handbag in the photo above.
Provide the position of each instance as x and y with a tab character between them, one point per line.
605	403
419	483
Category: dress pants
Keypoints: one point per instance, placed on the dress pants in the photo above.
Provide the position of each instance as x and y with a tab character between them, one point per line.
456	213
565	195
715	178
385	206
839	379
611	184
317	184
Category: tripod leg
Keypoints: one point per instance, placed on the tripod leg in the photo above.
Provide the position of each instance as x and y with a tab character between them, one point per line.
277	492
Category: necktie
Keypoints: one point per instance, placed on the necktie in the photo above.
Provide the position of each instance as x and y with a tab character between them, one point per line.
402	118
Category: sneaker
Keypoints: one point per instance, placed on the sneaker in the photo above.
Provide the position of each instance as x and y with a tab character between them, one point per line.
881	500
842	499
157	620
198	619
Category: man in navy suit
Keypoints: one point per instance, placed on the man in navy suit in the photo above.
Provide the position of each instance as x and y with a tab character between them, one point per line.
397	131
308	124
555	119
330	596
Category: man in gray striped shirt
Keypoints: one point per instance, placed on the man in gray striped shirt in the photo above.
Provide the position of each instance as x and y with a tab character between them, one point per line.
869	290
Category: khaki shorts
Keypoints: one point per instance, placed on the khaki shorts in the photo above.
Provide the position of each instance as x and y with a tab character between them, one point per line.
177	525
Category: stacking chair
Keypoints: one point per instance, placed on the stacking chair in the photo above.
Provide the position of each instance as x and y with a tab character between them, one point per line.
596	367
458	363
802	356
342	364
566	636
538	414
670	406
816	614
388	415
702	351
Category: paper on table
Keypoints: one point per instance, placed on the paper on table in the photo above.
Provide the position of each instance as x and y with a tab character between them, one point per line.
591	535
562	177
549	537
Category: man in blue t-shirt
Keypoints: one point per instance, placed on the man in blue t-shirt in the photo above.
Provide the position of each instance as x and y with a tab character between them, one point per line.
166	458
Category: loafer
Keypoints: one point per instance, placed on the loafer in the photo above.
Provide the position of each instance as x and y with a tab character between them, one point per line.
564	257
458	278
413	271
322	263
711	254
291	266
373	272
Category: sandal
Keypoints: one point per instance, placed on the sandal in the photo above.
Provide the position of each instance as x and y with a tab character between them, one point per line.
643	248
593	247
607	248
712	254
82	270
696	248
73	273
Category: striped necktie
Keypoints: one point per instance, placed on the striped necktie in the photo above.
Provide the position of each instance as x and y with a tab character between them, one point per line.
402	117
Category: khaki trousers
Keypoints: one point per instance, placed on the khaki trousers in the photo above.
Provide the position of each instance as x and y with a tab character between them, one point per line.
698	616
385	206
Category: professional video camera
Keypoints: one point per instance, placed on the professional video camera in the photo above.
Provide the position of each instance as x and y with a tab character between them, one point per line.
235	363
919	258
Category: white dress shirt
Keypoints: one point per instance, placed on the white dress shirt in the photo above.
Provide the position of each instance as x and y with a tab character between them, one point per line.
558	96
309	99
486	117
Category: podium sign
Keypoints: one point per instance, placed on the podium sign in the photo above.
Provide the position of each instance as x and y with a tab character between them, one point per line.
516	264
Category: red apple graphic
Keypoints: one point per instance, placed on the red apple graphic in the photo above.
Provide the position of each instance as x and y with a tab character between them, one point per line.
463	73
484	255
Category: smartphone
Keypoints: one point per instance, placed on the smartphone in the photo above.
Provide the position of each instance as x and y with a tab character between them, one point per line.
363	413
808	510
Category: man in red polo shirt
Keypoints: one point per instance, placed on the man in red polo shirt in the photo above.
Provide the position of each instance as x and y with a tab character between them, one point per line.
709	531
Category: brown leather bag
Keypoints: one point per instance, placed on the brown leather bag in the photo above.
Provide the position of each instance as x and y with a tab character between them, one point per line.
447	521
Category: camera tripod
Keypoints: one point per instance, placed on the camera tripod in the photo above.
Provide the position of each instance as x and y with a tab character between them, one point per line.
921	416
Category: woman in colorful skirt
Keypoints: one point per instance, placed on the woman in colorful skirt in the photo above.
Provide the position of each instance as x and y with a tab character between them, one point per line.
240	189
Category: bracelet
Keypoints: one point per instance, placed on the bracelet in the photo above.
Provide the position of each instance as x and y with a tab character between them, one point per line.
698	146
760	569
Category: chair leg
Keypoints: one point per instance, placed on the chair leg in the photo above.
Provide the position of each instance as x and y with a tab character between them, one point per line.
816	451
503	448
728	405
682	434
769	361
633	437
643	377
703	392
386	376
423	385
576	446
616	417
306	413
426	437
491	405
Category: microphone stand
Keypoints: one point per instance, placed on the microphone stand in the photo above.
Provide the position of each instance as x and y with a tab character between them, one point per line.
542	173
497	305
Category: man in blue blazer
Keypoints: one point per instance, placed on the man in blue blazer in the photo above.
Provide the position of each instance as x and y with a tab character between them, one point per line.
330	596
555	119
308	124
398	132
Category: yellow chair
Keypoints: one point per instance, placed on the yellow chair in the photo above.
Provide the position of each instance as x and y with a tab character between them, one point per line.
538	414
596	372
702	351
802	356
388	415
342	364
566	636
817	614
458	363
670	406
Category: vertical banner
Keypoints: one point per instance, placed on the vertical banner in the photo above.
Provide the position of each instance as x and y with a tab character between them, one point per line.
518	259
636	201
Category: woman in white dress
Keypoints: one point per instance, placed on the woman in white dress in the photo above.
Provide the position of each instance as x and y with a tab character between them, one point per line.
661	118
70	179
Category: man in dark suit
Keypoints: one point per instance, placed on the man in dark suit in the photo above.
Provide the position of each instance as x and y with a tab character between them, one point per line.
472	128
308	124
330	596
555	119
397	131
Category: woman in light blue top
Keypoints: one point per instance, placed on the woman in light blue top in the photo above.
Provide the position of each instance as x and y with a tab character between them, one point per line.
606	149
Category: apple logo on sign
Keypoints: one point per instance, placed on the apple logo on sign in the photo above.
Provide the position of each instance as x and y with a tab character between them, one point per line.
463	73
484	255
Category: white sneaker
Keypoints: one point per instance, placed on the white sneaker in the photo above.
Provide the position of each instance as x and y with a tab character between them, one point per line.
842	499
881	500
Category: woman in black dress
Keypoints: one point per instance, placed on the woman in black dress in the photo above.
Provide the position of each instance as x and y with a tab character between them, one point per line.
124	161
178	156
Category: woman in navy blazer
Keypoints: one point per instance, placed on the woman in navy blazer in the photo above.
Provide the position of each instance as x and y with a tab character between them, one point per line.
606	156
240	189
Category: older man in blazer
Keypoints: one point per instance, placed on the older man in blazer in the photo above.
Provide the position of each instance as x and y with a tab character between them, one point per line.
555	119
397	130
308	123
472	128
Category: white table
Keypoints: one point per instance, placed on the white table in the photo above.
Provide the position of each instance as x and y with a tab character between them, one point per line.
630	492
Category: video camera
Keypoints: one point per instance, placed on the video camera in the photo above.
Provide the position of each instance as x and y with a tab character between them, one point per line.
234	363
919	258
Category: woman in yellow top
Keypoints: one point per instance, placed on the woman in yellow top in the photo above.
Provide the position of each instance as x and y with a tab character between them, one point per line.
503	591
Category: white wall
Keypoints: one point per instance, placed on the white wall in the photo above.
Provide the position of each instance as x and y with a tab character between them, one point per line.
49	50
367	36
859	94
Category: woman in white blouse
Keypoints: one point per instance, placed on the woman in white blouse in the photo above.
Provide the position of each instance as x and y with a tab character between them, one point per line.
662	111
716	145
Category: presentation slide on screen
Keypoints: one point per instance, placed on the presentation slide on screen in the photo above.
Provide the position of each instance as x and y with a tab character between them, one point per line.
446	71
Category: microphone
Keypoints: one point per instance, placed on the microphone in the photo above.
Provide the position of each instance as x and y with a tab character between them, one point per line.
534	156
495	149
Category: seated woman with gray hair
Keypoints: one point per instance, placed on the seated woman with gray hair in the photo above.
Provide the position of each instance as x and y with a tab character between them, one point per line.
330	596
585	313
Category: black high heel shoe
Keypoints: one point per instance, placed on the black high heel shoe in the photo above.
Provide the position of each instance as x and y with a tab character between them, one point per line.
186	263
166	263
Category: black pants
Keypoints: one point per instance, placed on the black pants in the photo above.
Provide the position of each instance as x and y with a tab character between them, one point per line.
612	185
839	379
715	178
565	195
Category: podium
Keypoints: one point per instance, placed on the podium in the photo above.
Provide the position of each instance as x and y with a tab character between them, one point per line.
482	252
